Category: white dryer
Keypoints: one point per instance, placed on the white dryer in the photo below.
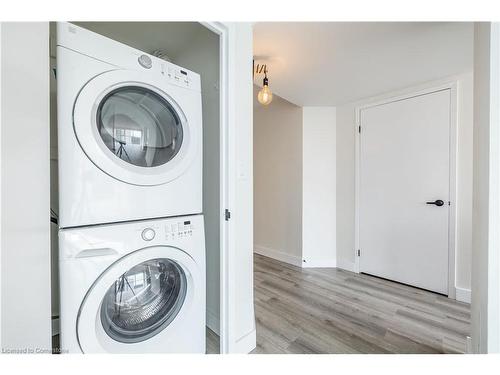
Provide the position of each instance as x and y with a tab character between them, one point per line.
133	288
129	132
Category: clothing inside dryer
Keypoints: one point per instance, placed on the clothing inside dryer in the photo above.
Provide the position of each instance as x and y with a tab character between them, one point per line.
139	126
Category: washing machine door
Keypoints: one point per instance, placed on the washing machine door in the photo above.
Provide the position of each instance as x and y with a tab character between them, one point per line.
138	299
133	129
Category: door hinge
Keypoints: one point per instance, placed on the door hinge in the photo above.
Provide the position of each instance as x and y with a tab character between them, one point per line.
359	253
227	214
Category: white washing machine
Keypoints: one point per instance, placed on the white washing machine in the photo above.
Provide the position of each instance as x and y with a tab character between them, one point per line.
129	132
133	288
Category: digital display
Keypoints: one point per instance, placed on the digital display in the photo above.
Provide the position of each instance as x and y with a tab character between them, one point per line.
187	222
183	72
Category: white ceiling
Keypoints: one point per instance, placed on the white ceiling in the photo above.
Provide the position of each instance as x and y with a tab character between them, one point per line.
331	63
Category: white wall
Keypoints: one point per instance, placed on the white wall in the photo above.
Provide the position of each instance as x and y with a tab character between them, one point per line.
319	187
25	221
202	56
295	183
486	209
346	127
278	179
465	159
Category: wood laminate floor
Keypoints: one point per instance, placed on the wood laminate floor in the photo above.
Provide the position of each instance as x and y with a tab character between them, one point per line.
330	310
212	344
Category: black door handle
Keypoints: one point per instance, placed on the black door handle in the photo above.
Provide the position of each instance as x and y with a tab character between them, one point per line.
437	202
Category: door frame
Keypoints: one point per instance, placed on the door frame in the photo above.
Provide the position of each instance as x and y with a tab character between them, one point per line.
227	190
451	85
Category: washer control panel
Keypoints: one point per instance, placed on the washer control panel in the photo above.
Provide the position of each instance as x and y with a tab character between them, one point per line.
173	230
179	230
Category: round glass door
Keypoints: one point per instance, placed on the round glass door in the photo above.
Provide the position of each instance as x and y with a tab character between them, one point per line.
143	301
139	126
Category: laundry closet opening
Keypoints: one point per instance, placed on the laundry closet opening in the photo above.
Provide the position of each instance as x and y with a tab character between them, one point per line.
195	47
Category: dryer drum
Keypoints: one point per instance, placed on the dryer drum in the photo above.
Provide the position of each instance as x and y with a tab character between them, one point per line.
139	126
143	301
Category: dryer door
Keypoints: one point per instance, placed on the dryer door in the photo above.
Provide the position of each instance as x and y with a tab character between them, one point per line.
138	299
133	129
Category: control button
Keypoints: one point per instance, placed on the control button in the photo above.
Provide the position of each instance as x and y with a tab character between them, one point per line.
145	61
148	234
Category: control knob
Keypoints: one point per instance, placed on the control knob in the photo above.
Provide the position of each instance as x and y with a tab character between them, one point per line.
148	234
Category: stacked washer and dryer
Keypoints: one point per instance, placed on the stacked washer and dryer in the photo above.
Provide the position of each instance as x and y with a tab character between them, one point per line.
131	237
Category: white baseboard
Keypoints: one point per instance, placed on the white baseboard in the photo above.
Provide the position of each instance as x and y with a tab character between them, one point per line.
213	322
346	265
278	255
246	343
463	295
319	263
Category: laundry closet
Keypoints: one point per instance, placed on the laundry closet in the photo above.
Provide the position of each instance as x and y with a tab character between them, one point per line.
194	50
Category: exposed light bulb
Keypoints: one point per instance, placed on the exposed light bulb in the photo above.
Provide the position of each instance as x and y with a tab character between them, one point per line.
265	95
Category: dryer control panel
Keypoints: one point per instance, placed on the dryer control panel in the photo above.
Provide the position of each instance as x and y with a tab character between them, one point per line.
176	75
99	47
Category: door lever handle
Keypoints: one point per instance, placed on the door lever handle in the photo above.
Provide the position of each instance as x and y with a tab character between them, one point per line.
437	202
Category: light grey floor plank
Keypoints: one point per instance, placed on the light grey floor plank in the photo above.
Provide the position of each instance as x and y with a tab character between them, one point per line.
335	311
212	343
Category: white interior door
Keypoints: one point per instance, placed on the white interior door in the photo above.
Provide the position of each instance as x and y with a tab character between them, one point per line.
405	165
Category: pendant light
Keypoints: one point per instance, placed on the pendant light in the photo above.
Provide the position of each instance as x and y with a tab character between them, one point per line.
265	96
